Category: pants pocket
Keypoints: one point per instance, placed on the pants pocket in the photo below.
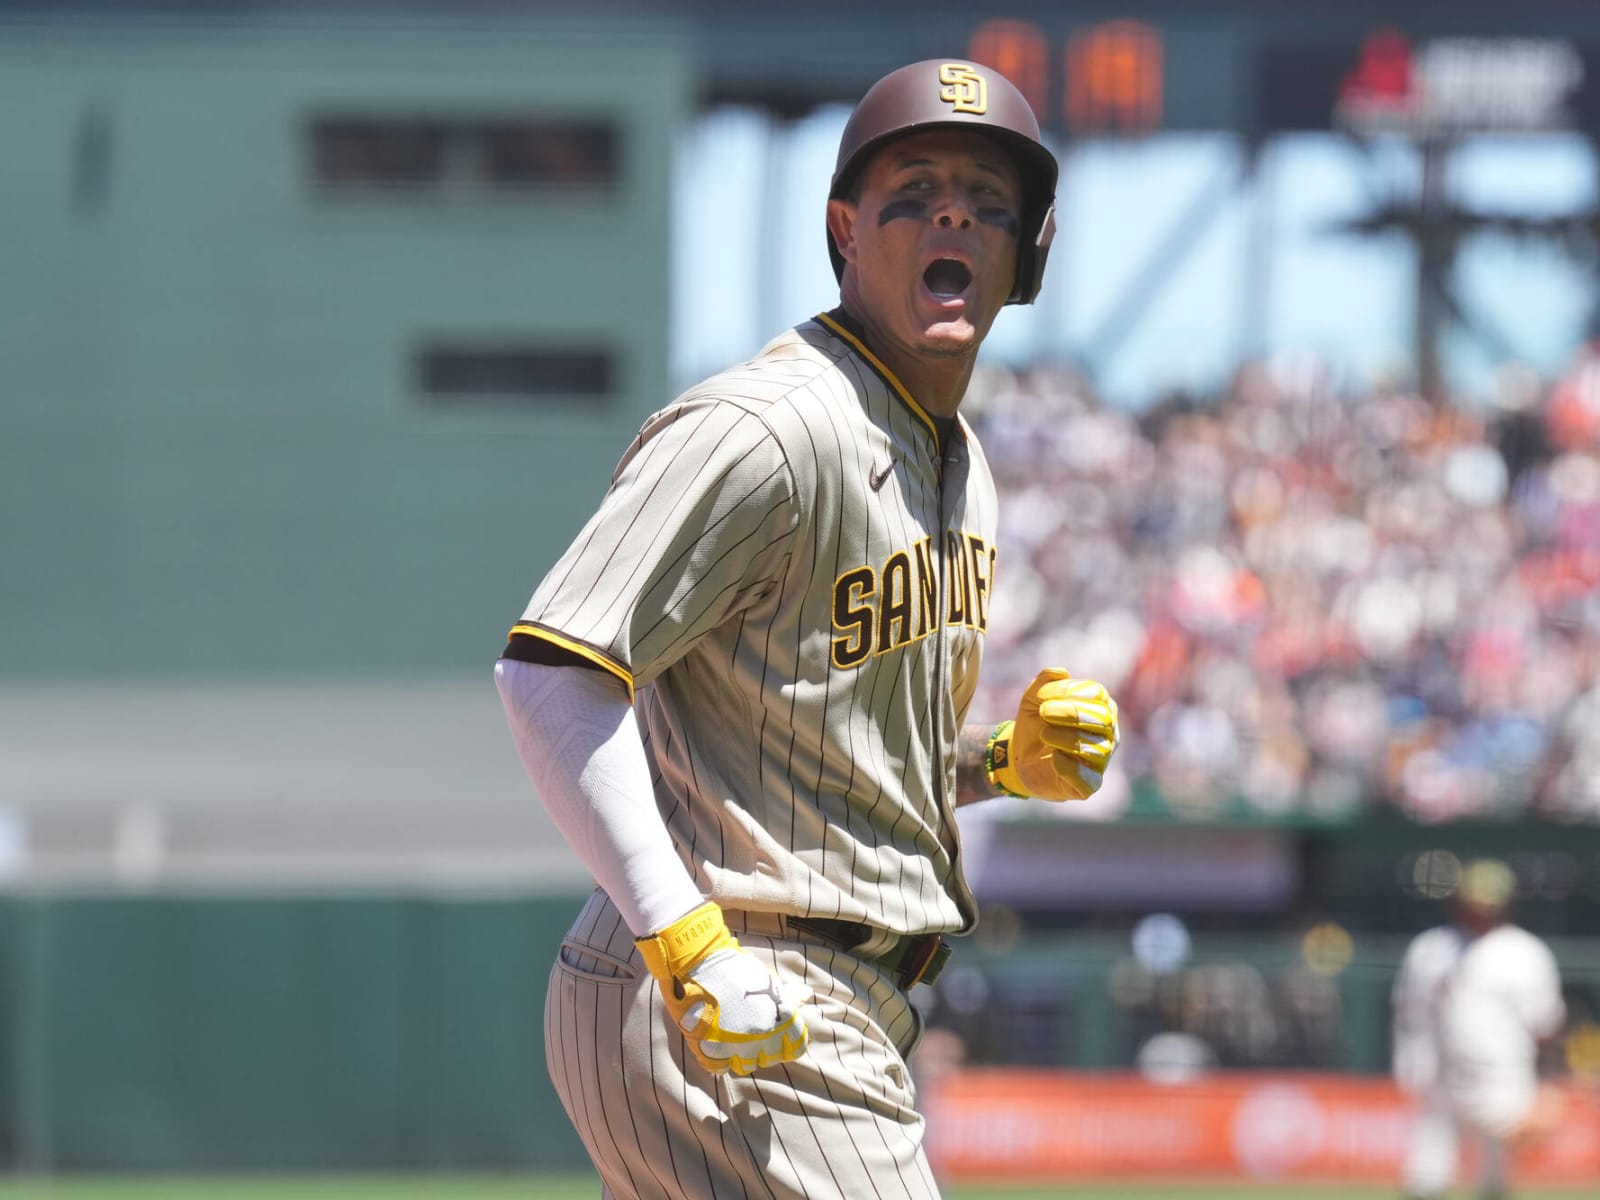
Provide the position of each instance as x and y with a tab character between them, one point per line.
596	966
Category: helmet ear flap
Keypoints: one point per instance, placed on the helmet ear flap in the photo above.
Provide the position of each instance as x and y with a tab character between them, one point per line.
1047	230
1031	259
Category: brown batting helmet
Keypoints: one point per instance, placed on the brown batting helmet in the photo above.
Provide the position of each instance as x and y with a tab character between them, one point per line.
954	94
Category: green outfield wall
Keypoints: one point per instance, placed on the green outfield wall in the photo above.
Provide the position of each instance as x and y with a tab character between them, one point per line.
274	1032
404	1031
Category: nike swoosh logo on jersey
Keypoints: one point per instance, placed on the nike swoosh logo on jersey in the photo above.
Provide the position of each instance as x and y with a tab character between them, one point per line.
875	478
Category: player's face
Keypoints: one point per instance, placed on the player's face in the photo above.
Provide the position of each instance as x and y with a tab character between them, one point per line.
932	240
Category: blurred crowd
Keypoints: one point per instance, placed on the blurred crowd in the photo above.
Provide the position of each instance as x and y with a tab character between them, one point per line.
1171	1025
1311	600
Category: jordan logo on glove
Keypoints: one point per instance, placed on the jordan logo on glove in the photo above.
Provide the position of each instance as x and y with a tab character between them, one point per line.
714	990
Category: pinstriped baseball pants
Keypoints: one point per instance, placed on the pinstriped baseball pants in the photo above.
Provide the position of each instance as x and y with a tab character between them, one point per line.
840	1123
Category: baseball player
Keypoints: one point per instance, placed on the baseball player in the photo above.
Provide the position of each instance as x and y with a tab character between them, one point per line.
741	692
1475	1004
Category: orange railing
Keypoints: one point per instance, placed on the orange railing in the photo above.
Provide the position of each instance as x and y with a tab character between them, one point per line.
1016	1124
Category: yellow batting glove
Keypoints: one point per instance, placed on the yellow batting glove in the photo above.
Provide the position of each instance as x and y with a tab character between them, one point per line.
1060	743
727	1002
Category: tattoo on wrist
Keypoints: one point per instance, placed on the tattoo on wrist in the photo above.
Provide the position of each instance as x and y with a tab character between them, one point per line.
972	777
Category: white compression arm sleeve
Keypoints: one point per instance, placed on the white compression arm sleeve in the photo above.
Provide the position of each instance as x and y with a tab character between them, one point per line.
575	731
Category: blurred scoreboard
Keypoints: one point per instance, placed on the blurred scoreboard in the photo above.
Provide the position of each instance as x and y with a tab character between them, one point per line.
1425	68
1433	88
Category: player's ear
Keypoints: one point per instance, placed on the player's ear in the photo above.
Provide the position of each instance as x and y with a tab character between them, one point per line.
842	227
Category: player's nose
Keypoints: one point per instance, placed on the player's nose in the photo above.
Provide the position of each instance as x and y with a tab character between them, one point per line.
951	210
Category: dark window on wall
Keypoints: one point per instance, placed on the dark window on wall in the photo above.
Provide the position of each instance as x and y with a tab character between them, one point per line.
468	374
418	154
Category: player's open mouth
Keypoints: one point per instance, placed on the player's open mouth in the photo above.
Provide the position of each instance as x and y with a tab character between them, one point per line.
947	278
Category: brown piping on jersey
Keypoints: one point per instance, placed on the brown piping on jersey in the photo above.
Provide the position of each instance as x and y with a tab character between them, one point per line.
533	643
843	326
949	438
950	453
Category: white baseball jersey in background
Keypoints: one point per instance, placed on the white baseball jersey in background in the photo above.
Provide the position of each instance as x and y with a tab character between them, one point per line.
1468	1017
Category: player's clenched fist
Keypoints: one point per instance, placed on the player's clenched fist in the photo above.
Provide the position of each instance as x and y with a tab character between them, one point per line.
728	1004
1057	748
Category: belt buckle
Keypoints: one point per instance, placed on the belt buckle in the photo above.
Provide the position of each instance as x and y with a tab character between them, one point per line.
924	960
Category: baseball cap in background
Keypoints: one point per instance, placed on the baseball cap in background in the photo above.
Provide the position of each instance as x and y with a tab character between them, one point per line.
1487	882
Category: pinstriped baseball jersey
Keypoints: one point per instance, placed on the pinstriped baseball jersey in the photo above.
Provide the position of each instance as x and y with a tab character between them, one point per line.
796	582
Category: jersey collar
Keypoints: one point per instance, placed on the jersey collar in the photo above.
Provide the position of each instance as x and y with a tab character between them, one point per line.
848	330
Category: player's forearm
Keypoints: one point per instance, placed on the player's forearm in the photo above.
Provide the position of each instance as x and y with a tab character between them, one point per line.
972	777
576	734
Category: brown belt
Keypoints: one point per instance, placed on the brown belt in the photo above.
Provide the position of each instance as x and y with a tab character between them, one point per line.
913	959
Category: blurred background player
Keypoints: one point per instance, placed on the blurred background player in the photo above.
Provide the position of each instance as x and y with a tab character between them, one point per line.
1477	1009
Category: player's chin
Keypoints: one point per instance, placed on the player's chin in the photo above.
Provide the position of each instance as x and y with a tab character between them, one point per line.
955	336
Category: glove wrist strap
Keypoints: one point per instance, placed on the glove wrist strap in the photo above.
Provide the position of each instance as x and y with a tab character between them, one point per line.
677	949
997	761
